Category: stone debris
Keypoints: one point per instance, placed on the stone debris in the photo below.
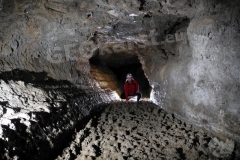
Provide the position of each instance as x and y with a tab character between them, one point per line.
220	148
138	132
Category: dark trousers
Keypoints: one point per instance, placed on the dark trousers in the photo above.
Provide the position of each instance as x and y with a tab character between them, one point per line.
139	95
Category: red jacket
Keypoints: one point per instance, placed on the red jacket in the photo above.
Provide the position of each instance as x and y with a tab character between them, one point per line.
131	88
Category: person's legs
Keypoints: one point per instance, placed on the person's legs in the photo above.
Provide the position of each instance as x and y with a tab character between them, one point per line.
123	96
139	95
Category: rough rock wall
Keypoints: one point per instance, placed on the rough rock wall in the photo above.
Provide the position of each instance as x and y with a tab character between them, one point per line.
203	85
37	118
194	73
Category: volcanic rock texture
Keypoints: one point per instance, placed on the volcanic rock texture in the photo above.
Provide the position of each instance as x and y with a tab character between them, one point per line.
61	59
138	132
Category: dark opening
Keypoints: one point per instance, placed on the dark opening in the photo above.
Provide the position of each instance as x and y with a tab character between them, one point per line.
120	65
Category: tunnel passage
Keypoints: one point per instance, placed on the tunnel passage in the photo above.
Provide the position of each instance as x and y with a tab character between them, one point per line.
110	71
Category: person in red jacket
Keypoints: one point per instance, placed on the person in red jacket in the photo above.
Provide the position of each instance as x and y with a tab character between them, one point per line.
131	88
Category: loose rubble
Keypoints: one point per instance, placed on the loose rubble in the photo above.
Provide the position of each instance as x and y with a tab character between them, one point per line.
221	149
138	132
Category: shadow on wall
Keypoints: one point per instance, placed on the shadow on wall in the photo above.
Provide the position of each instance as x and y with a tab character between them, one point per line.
110	71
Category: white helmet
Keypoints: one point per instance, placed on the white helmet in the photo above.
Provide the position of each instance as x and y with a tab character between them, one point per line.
129	75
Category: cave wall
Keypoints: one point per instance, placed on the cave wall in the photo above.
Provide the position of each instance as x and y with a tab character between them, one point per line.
196	77
203	85
38	117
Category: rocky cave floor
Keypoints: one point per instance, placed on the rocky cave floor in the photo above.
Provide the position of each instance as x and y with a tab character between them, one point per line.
144	131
